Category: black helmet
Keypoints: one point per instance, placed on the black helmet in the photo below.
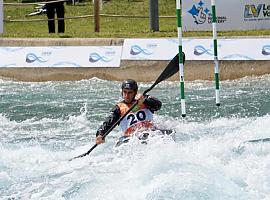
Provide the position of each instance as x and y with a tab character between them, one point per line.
130	84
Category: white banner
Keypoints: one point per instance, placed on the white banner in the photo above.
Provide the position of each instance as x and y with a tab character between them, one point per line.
1	17
231	15
197	49
61	56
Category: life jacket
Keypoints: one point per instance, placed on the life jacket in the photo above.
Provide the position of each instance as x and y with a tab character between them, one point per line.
140	118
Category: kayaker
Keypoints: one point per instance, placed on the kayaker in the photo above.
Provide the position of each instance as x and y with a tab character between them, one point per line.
140	118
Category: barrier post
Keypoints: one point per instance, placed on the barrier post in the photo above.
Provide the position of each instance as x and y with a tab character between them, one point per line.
96	15
1	17
181	64
153	15
214	25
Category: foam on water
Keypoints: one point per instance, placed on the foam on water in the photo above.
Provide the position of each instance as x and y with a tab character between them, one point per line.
211	157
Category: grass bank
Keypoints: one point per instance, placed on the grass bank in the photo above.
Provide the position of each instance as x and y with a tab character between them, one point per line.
111	27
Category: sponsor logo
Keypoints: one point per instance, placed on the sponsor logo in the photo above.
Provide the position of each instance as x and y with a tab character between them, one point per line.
31	57
95	57
202	14
256	12
136	49
200	50
266	50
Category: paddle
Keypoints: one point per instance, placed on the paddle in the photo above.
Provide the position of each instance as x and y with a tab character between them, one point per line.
171	69
258	140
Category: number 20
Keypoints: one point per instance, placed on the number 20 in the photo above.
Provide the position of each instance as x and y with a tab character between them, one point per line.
139	116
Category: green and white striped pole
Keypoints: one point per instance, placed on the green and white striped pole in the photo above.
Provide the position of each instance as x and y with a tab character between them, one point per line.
214	24
181	64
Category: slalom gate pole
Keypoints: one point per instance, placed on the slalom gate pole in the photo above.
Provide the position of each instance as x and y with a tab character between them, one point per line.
181	64
214	25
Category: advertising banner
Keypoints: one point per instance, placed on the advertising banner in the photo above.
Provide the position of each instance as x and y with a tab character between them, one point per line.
231	15
197	49
1	17
61	56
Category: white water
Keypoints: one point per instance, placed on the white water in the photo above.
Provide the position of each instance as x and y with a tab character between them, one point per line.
209	159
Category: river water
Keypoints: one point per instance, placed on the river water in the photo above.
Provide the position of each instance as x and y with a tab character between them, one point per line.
43	125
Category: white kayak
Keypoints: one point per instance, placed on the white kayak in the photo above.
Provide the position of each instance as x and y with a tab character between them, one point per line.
144	136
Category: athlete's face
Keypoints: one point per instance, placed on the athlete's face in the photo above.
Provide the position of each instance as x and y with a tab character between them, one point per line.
128	95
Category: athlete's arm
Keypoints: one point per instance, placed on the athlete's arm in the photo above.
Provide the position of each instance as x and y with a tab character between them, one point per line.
152	103
111	119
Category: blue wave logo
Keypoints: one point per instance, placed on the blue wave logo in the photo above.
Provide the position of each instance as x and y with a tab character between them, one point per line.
65	64
175	41
266	50
136	50
200	50
9	65
12	49
31	57
95	57
236	57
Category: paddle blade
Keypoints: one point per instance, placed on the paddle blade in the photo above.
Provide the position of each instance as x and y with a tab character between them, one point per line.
84	154
171	69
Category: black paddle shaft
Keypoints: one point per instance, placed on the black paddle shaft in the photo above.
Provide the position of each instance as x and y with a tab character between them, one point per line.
171	69
107	132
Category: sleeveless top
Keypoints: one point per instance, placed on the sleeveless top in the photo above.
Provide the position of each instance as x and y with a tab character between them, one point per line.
138	119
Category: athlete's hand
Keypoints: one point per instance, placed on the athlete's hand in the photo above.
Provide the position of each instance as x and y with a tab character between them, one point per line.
99	140
140	98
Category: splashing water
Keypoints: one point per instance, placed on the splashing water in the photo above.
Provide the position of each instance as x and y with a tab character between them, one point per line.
42	125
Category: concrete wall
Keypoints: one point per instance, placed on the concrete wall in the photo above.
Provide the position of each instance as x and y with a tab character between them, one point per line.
140	70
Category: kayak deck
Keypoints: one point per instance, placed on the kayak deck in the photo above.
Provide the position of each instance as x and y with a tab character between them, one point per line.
144	136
